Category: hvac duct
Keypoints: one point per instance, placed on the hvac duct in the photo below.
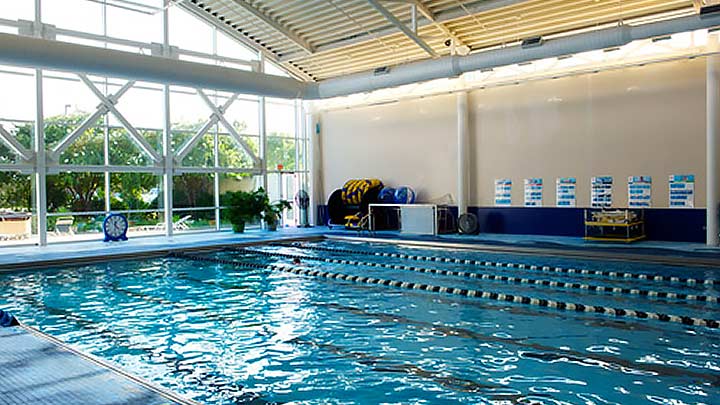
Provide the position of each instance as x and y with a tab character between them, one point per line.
40	53
451	66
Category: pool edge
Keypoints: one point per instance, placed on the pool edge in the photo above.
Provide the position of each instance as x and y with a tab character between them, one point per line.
163	392
144	254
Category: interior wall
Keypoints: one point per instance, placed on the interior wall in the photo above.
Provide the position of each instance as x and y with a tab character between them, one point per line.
404	143
637	121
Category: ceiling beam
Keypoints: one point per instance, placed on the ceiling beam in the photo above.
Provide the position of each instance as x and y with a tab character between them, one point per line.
275	25
423	9
402	27
442	17
427	13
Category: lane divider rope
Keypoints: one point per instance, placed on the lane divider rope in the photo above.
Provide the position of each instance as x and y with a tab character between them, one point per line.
540	302
496	277
522	266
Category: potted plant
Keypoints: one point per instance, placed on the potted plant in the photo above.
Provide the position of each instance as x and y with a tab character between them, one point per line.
273	211
244	207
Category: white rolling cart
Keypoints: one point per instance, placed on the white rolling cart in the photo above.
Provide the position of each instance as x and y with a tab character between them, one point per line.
416	219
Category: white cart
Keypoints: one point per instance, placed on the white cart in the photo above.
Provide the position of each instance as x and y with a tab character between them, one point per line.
417	219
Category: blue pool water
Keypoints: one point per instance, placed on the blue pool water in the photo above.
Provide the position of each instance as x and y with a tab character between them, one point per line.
223	334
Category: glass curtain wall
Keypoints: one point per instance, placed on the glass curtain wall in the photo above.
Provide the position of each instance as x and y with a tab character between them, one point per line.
103	136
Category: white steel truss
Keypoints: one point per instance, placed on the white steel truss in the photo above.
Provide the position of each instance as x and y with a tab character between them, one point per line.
15	146
189	144
102	109
107	105
135	136
217	116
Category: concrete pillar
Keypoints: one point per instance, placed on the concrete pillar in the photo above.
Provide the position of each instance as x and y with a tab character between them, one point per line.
713	142
462	155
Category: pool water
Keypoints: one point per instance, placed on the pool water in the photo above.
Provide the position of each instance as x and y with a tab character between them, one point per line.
223	334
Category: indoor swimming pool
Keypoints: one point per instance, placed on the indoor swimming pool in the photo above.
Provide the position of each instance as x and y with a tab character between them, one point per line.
360	323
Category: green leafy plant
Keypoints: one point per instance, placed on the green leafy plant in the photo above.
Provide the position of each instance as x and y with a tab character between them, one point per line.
273	211
244	207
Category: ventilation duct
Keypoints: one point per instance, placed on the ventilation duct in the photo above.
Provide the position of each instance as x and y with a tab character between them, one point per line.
40	53
452	66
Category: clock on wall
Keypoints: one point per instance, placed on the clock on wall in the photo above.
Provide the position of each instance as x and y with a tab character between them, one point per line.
115	227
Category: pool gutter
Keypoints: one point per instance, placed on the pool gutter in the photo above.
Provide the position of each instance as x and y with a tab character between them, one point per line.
95	257
668	257
568	252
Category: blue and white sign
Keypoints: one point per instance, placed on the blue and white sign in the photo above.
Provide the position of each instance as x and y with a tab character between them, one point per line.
682	191
503	192
533	192
565	192
639	191
601	192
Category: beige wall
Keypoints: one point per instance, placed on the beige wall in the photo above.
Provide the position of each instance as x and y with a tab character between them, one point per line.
410	142
637	121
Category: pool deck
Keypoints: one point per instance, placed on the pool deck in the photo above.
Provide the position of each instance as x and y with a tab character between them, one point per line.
39	370
24	257
19	257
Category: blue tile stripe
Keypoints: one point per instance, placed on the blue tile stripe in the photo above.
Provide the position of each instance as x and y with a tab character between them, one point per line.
521	266
496	277
491	295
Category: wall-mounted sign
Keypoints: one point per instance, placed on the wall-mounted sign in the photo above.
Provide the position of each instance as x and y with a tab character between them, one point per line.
533	192
639	191
503	192
601	192
565	192
682	190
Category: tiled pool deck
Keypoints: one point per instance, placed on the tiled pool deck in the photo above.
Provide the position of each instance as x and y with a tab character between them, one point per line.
38	369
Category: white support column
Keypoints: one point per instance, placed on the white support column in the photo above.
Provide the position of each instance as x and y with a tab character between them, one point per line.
312	121
298	175
40	166
167	135
106	124
462	155
713	143
39	146
263	130
216	164
106	156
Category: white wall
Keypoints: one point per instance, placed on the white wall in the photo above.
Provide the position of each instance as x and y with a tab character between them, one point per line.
637	121
411	142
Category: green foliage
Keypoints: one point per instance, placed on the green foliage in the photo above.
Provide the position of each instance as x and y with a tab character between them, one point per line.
273	211
280	151
244	206
193	190
15	191
85	191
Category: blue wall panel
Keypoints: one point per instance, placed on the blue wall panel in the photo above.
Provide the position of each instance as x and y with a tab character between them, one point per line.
665	224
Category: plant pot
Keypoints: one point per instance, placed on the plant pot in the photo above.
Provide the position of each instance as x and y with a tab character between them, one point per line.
271	226
238	227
